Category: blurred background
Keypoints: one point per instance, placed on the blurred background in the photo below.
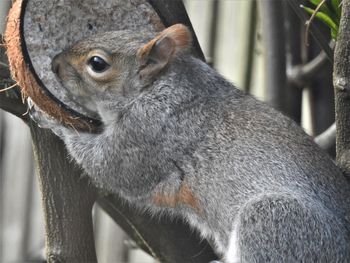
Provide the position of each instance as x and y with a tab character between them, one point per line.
231	34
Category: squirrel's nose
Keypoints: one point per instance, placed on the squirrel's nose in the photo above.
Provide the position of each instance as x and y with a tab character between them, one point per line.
56	64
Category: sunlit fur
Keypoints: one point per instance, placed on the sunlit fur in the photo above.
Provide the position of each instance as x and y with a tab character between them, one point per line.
257	186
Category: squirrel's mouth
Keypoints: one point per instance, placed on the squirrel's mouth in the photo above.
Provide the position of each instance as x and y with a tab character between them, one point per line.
32	40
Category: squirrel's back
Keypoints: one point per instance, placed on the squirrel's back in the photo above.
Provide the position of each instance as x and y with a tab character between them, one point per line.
239	149
179	138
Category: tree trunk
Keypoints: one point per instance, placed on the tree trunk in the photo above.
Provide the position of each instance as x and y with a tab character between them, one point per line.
67	201
341	79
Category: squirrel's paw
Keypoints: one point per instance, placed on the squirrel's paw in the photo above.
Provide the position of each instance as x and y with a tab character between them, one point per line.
43	120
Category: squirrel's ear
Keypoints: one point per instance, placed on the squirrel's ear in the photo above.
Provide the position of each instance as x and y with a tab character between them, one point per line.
158	52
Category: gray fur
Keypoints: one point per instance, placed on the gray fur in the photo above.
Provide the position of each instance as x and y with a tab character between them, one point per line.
251	168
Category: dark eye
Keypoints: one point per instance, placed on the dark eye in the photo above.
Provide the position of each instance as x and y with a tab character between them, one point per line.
98	64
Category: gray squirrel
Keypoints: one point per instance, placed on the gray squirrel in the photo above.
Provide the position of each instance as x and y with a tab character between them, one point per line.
178	138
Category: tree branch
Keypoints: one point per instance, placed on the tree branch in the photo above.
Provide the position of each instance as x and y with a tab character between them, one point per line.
67	201
10	100
166	239
326	140
342	89
13	105
314	31
173	12
301	74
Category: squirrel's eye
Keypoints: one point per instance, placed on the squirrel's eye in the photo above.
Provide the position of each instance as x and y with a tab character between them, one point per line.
98	64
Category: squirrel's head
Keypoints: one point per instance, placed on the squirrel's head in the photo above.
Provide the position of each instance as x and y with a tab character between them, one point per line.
117	63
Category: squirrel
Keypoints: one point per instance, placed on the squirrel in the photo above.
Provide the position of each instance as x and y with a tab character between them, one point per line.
178	138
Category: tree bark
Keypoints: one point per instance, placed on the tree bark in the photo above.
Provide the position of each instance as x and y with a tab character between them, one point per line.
166	239
67	201
341	79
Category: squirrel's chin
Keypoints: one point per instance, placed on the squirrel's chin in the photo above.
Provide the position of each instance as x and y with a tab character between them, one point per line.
84	101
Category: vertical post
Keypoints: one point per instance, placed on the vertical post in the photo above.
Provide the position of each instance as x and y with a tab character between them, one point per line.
251	45
272	15
213	32
294	43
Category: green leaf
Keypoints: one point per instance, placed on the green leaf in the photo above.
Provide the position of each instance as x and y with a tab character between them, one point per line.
336	5
315	2
324	18
324	8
